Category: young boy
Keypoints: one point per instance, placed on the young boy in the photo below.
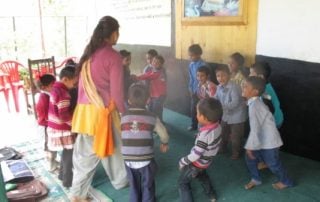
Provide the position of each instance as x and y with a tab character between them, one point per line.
264	139
194	165
45	84
59	123
206	88
263	70
149	57
234	112
158	85
195	52
236	62
137	126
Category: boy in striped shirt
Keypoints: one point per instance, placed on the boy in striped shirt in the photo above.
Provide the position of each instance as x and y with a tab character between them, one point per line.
194	165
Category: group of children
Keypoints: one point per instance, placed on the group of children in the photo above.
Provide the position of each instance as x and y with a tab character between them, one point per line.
220	113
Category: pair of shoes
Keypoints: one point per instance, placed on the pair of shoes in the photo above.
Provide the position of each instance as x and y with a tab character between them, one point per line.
251	184
279	186
262	165
191	128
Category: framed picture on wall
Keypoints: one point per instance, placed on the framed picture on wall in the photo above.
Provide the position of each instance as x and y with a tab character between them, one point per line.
214	12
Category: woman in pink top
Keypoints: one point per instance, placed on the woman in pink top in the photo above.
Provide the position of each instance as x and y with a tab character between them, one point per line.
106	72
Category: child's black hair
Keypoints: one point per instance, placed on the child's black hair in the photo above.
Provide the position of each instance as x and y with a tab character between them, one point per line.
68	72
238	58
160	58
45	80
124	53
152	52
210	108
138	95
262	68
204	69
223	68
195	49
257	83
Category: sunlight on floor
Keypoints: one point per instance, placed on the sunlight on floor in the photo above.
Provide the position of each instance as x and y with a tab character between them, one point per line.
16	127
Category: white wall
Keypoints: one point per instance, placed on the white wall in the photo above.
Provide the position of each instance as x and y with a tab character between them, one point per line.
289	29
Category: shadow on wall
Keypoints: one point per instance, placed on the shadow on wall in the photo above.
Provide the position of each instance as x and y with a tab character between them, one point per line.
297	84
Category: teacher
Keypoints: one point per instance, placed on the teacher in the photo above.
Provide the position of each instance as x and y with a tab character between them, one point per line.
96	117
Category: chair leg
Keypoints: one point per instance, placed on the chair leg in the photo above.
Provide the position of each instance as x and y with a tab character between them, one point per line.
6	96
15	94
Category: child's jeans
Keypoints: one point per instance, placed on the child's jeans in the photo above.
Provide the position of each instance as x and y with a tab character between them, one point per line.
187	174
142	185
271	158
156	106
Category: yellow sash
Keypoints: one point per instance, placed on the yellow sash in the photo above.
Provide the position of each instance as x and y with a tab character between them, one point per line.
94	119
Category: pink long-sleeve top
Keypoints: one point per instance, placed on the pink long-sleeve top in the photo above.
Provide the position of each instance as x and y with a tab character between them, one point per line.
107	75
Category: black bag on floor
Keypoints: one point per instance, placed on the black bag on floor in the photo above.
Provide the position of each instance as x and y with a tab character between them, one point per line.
8	153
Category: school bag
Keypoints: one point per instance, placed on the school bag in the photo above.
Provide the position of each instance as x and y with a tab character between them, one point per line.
28	192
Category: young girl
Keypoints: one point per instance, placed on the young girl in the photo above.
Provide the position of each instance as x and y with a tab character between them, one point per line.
158	85
59	123
45	84
127	78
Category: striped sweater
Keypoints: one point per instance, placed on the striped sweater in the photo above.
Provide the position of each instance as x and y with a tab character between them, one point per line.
137	126
59	116
206	147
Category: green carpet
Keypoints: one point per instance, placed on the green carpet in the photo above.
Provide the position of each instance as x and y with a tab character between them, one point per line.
228	176
34	155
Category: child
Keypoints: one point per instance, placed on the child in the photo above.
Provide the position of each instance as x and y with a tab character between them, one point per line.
195	52
127	79
234	112
264	139
206	88
236	62
158	85
45	84
137	125
209	112
149	57
59	123
263	70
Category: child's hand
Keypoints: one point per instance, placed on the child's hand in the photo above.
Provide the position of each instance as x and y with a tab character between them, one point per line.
164	148
250	154
180	167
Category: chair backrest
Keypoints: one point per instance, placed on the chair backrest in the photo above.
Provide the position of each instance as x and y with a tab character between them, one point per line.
37	68
12	68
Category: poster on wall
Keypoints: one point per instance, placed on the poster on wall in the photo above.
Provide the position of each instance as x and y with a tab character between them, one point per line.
144	22
197	8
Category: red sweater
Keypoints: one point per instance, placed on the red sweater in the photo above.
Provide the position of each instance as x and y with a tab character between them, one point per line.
42	109
158	84
60	115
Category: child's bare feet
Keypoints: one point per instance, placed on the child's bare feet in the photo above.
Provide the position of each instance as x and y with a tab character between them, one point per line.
279	186
262	165
251	184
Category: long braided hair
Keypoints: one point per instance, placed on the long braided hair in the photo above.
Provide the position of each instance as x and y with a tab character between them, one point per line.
104	29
